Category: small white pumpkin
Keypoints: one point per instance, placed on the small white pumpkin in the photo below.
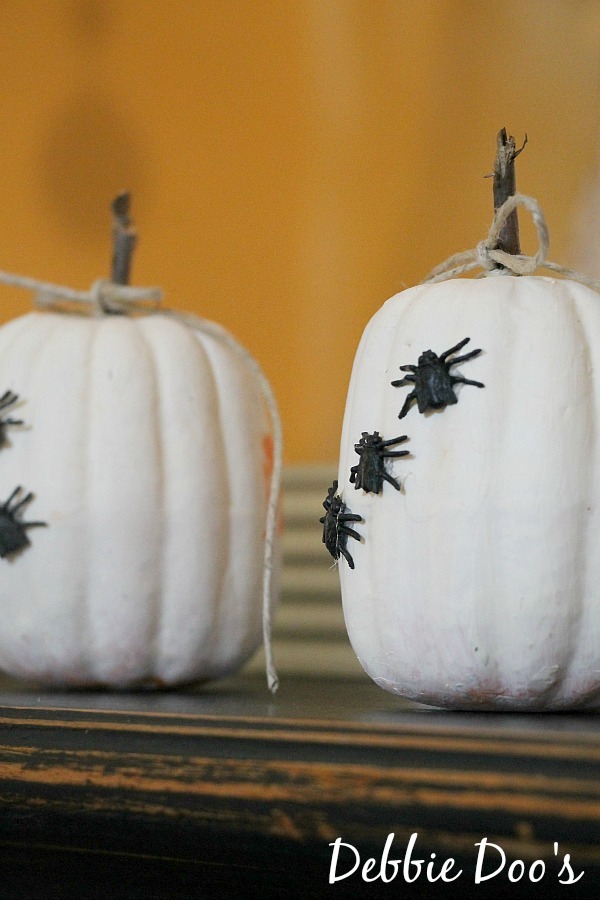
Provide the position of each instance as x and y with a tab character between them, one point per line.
477	585
149	450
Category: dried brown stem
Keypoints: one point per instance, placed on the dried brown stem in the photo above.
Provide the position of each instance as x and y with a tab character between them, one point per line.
124	239
505	186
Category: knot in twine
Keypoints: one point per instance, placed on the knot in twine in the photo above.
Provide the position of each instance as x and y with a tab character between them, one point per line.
109	298
488	254
488	257
103	298
118	299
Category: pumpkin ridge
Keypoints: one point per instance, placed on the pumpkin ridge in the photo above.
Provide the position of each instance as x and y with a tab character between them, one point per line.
585	547
169	345
86	623
217	353
122	501
502	336
152	664
88	630
206	343
572	638
356	500
218	627
517	463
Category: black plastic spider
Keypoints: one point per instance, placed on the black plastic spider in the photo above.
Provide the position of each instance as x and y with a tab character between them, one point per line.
13	535
7	399
335	530
434	385
370	473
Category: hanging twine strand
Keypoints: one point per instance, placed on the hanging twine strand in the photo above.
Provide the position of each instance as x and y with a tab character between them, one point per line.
488	257
108	297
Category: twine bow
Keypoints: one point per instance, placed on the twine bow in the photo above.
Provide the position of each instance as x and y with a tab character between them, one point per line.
488	257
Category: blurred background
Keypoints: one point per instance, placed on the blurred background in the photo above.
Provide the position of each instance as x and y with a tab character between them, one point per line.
293	163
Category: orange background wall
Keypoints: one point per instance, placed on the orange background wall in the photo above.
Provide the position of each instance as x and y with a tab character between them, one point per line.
292	162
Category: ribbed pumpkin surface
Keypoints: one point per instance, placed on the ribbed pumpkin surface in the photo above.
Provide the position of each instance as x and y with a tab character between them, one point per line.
479	584
145	448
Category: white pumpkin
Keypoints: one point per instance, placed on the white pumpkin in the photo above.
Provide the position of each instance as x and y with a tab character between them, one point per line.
478	584
148	449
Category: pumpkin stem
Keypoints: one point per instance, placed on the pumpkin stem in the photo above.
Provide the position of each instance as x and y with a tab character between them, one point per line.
124	239
505	185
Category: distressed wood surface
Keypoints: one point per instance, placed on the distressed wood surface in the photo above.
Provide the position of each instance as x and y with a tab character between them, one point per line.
226	791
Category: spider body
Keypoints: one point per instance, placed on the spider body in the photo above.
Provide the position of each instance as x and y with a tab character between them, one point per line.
432	379
370	472
13	535
335	530
6	400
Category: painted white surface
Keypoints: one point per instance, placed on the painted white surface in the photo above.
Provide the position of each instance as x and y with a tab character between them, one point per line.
479	584
144	448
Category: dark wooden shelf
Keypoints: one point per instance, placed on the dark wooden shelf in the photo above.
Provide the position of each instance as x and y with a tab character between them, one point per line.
226	791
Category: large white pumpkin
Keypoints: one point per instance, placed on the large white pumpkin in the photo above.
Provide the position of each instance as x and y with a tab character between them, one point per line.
148	449
478	584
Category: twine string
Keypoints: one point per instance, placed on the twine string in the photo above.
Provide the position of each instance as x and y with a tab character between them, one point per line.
487	257
106	297
103	296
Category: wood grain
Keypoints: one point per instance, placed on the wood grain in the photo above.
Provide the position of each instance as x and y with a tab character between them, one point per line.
186	801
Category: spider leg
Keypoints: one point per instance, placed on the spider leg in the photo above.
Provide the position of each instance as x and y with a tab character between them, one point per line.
402	382
34	524
394	453
21	503
459	359
457	379
391	480
7	399
6	504
444	356
346	556
349	517
349	532
11	422
398	440
407	403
